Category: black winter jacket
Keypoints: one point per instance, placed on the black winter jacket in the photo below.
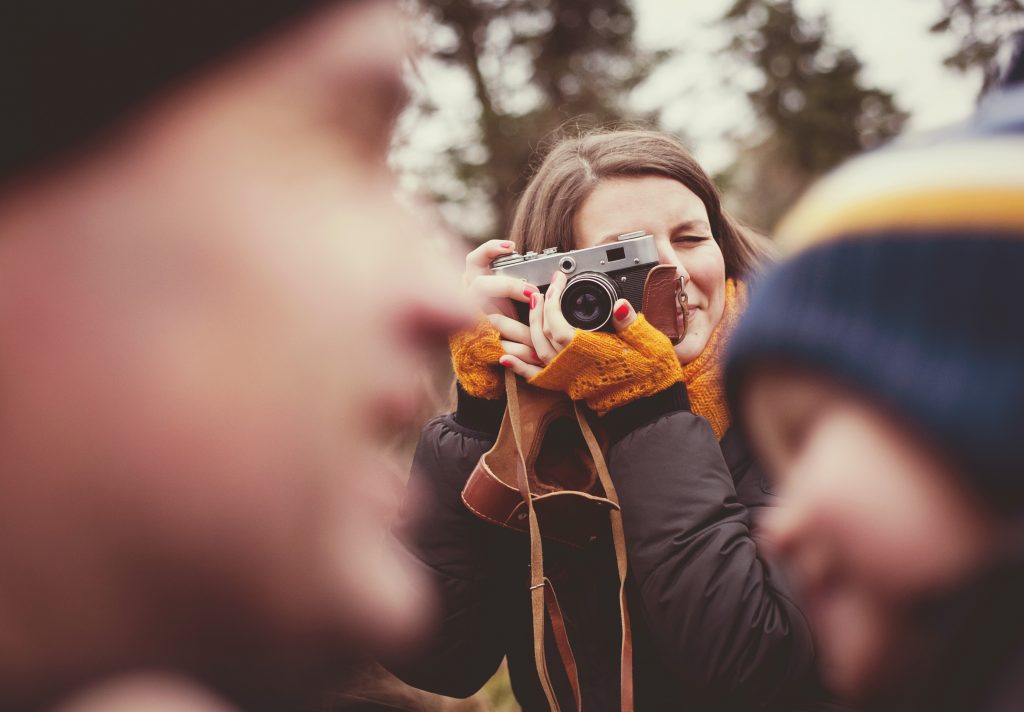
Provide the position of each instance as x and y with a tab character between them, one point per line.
714	625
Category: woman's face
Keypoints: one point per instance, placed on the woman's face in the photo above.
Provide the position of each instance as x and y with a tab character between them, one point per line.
678	220
870	520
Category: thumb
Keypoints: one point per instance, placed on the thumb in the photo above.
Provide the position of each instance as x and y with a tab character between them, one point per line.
623	315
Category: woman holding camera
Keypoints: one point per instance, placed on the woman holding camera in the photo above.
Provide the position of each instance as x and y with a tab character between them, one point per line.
713	624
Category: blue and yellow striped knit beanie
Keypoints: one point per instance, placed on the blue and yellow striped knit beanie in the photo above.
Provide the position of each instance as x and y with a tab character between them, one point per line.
906	281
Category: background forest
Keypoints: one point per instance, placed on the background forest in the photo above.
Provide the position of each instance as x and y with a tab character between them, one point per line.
796	101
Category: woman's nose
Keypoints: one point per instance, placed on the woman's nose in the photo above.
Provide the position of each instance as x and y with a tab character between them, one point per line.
667	255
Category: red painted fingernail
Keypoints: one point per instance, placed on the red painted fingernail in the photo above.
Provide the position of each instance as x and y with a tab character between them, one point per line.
504	362
536	356
533	301
622	312
528	292
506	245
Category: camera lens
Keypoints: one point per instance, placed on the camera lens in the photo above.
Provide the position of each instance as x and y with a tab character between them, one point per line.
587	301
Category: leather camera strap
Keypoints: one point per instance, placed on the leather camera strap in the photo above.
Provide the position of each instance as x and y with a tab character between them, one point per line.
619	540
539	585
542	595
663	299
562	641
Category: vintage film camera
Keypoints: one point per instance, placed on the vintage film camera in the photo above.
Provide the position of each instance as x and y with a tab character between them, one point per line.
597	277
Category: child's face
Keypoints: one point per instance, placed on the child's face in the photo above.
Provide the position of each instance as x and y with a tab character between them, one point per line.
870	519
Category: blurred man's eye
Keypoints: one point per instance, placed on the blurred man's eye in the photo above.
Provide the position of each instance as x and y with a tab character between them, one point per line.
368	106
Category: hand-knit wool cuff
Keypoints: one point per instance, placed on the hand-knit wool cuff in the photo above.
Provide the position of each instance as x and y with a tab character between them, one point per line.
475	355
611	370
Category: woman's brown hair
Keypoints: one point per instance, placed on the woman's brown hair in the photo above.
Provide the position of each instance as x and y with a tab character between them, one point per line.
547	209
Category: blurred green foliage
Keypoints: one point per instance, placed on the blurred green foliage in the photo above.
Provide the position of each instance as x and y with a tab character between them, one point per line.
812	99
813	107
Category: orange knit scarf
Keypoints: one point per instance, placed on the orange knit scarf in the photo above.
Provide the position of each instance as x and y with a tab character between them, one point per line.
703	375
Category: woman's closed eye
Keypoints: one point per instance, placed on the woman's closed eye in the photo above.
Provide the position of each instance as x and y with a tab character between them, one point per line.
690	239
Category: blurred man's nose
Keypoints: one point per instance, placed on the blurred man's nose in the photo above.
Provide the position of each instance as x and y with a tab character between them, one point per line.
437	306
438	310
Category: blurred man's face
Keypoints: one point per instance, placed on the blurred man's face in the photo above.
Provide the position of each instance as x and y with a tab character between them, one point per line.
870	519
209	328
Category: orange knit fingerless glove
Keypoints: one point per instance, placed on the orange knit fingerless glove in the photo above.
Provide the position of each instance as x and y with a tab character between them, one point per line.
611	370
475	355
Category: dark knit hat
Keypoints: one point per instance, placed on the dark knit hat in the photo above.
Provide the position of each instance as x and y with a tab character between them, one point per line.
72	67
905	283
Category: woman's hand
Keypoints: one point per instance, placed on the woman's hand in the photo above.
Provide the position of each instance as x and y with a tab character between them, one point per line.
493	295
606	370
477	353
549	330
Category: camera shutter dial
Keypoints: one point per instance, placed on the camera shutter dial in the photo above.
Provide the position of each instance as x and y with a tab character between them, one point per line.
505	260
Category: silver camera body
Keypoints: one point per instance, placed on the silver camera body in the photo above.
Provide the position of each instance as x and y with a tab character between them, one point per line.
597	277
